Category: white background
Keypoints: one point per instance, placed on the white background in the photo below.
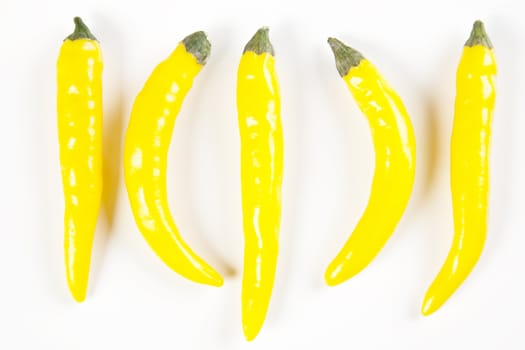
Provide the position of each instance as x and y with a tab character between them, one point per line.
135	302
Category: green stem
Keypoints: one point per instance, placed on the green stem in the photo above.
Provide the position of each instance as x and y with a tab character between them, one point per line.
198	45
345	56
81	31
478	36
260	43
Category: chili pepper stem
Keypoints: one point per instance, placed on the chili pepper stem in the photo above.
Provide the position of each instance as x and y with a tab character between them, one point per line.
81	31
260	43
198	45
478	36
345	56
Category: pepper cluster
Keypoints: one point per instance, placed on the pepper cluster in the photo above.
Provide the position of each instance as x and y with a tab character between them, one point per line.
148	136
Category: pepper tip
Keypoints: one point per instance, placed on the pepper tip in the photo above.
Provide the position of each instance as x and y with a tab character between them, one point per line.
251	331
78	293
334	280
217	281
429	306
331	279
211	277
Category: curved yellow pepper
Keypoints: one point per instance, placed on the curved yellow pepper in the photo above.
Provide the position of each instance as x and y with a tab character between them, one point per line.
469	166
146	148
79	107
258	105
394	145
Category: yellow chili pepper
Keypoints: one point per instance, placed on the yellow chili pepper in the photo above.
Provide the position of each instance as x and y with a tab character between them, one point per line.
146	148
469	166
79	107
394	145
258	106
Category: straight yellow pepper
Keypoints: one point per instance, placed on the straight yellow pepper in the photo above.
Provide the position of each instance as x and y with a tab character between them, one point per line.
258	106
395	152
79	107
145	152
469	165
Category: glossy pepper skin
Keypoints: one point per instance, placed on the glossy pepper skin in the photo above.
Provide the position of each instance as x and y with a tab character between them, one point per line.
395	156
145	153
79	107
258	106
469	166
